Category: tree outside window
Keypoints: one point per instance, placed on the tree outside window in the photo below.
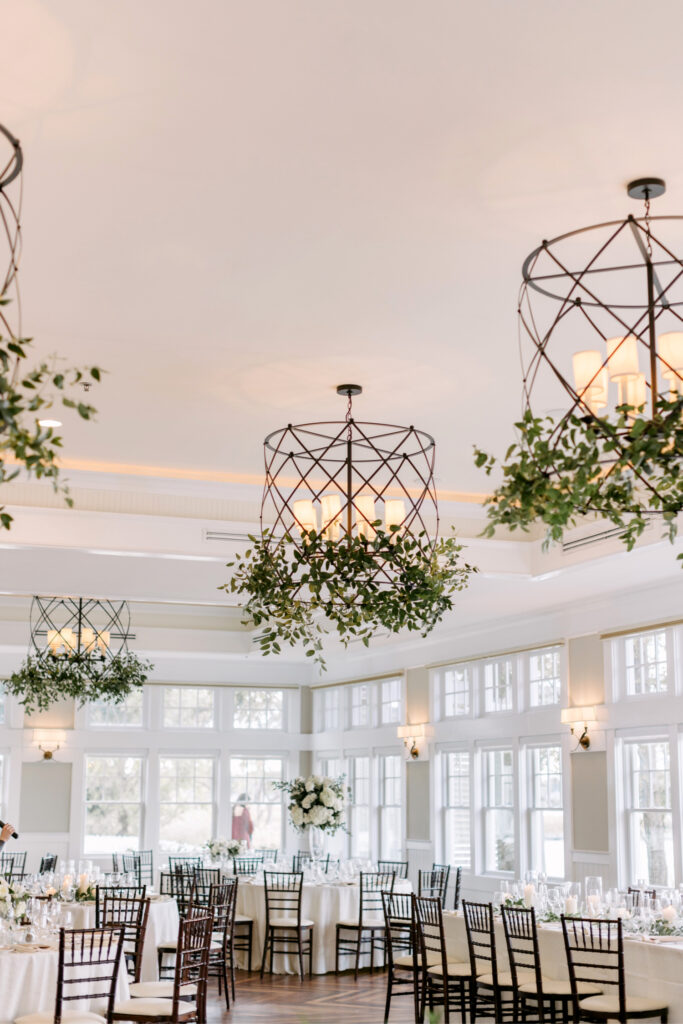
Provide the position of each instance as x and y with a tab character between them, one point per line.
113	804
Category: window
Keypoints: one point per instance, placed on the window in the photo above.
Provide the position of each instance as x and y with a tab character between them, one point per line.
359	806
647	663
390	701
3	712
360	706
258	709
456	814
113	804
256	806
546	832
2	785
498	685
331	767
185	802
499	820
188	707
129	713
648	811
456	691
545	680
390	833
327	710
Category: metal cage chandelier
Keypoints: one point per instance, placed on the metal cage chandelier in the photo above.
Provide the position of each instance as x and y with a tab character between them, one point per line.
78	629
349	479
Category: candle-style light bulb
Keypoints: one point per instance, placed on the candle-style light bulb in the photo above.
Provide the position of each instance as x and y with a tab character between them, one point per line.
365	516
304	514
394	513
331	516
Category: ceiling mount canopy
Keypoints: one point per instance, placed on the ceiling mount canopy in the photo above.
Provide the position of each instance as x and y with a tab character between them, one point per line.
349	535
601	344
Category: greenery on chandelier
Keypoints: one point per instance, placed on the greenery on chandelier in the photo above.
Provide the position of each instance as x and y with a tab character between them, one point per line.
26	392
299	592
45	679
623	470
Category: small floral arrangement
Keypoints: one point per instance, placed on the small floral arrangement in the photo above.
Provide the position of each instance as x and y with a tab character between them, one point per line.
665	926
220	849
13	899
86	893
316	801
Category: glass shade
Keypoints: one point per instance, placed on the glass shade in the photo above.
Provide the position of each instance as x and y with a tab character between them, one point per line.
87	640
590	379
623	357
636	390
305	516
671	350
61	638
394	512
365	515
331	516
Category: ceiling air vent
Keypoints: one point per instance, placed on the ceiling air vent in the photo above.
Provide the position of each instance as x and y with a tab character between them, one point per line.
593	538
226	536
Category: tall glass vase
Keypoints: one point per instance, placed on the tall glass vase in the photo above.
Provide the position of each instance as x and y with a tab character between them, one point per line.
316	843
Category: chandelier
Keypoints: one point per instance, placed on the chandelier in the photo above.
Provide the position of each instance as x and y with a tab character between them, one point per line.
601	344
349	535
78	649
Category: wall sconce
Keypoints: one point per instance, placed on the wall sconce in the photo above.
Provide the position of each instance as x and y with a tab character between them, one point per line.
412	734
584	719
49	741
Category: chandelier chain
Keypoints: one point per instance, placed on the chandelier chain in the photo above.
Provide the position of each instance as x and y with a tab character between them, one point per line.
648	236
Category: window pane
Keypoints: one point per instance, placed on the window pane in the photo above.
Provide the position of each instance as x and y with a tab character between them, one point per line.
647	666
456	691
457	824
3	701
499	825
113	788
498	685
546	817
359	800
186	802
544	678
188	707
127	713
256	806
258	709
360	705
651	820
390	701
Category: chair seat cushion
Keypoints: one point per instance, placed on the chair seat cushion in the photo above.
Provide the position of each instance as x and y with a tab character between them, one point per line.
167	947
68	1017
406	960
560	987
454	968
610	1004
152	1007
242	919
289	922
368	922
159	990
505	978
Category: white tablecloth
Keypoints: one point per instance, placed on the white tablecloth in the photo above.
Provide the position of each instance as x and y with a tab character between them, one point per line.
323	904
162	926
652	969
28	984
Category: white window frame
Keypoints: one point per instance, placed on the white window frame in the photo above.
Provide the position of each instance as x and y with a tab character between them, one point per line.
442	694
382	703
353	691
446	806
531	810
258	754
351	759
557	650
117	752
191	755
483	805
493	663
204	729
617	663
246	729
381	757
114	726
324	711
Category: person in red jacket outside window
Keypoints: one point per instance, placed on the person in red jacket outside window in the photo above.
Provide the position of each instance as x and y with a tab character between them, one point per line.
242	824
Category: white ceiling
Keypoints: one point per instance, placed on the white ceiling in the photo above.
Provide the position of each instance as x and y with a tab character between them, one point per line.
235	206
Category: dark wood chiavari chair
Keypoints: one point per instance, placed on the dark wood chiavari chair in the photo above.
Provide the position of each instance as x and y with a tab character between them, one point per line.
80	951
247	865
48	862
13	866
456	888
355	938
222	900
203	879
536	993
266	853
188	864
399	867
142	863
637	893
446	981
490	986
434	883
403	963
595	956
189	979
115	864
102	892
130	913
286	930
302	858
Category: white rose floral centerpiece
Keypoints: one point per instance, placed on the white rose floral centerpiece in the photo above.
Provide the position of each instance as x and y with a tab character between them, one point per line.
13	899
221	849
316	806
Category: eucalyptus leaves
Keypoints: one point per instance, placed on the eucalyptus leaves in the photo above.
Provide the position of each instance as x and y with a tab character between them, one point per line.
42	681
298	592
623	470
25	392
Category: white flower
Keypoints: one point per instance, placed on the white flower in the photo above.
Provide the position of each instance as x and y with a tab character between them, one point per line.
310	784
318	815
20	909
327	797
308	801
297	816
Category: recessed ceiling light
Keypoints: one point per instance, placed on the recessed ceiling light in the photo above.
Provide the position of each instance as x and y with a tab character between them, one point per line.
49	423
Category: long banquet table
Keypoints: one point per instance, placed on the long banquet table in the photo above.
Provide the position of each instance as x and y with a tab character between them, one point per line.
323	903
652	968
28	984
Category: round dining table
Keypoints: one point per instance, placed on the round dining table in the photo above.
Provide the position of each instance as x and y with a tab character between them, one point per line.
324	903
28	984
162	926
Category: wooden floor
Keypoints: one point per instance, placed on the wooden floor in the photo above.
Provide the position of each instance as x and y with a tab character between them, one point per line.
323	999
